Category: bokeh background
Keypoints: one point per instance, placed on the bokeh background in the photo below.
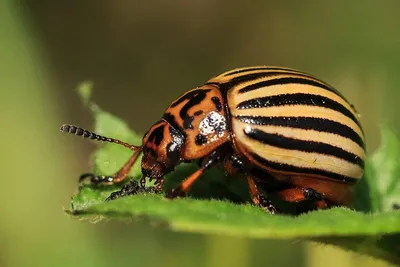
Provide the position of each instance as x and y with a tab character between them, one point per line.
141	55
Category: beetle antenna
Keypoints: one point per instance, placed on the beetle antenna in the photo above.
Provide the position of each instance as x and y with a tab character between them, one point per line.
67	128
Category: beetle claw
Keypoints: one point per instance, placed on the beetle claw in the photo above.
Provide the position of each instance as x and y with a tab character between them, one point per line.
143	182
159	184
268	206
171	194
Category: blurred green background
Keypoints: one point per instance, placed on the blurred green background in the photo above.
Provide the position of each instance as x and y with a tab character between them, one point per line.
141	55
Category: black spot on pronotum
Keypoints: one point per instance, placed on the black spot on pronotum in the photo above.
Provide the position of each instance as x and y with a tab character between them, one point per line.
396	206
199	112
217	103
200	139
194	98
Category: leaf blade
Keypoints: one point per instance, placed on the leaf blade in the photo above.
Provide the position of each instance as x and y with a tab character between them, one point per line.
377	224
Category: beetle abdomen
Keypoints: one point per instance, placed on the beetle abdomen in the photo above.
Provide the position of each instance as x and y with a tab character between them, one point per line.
288	122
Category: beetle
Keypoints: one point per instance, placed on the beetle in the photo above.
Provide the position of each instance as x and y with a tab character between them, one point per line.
289	134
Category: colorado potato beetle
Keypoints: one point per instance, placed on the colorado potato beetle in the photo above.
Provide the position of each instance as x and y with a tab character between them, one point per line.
285	131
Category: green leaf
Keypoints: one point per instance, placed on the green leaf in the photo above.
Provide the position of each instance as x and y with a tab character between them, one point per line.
385	163
219	205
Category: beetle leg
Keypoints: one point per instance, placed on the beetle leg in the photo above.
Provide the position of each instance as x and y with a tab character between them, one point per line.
131	188
184	187
232	165
118	177
258	198
159	184
142	182
298	195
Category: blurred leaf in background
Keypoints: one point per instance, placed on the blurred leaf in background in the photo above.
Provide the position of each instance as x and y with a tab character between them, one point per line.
134	51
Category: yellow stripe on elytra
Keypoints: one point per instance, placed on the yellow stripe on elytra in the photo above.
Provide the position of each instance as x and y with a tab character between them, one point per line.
311	135
235	97
222	78
297	158
299	110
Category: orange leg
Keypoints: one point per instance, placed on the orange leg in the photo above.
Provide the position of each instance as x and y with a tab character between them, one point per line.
298	195
118	177
258	198
185	186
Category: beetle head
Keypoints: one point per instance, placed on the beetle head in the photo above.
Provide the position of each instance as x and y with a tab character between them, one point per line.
162	146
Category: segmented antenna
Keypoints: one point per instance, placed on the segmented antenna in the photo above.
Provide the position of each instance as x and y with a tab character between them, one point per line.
67	128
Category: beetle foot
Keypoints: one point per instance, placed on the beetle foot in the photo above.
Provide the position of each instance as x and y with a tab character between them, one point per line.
177	192
267	205
143	182
159	184
130	188
96	179
157	188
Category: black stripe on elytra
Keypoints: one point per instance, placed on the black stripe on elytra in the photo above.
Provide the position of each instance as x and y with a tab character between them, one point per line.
194	98
306	123
284	71
224	87
157	135
283	167
297	99
212	83
290	80
281	141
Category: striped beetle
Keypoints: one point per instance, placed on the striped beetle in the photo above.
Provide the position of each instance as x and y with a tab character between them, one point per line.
289	134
